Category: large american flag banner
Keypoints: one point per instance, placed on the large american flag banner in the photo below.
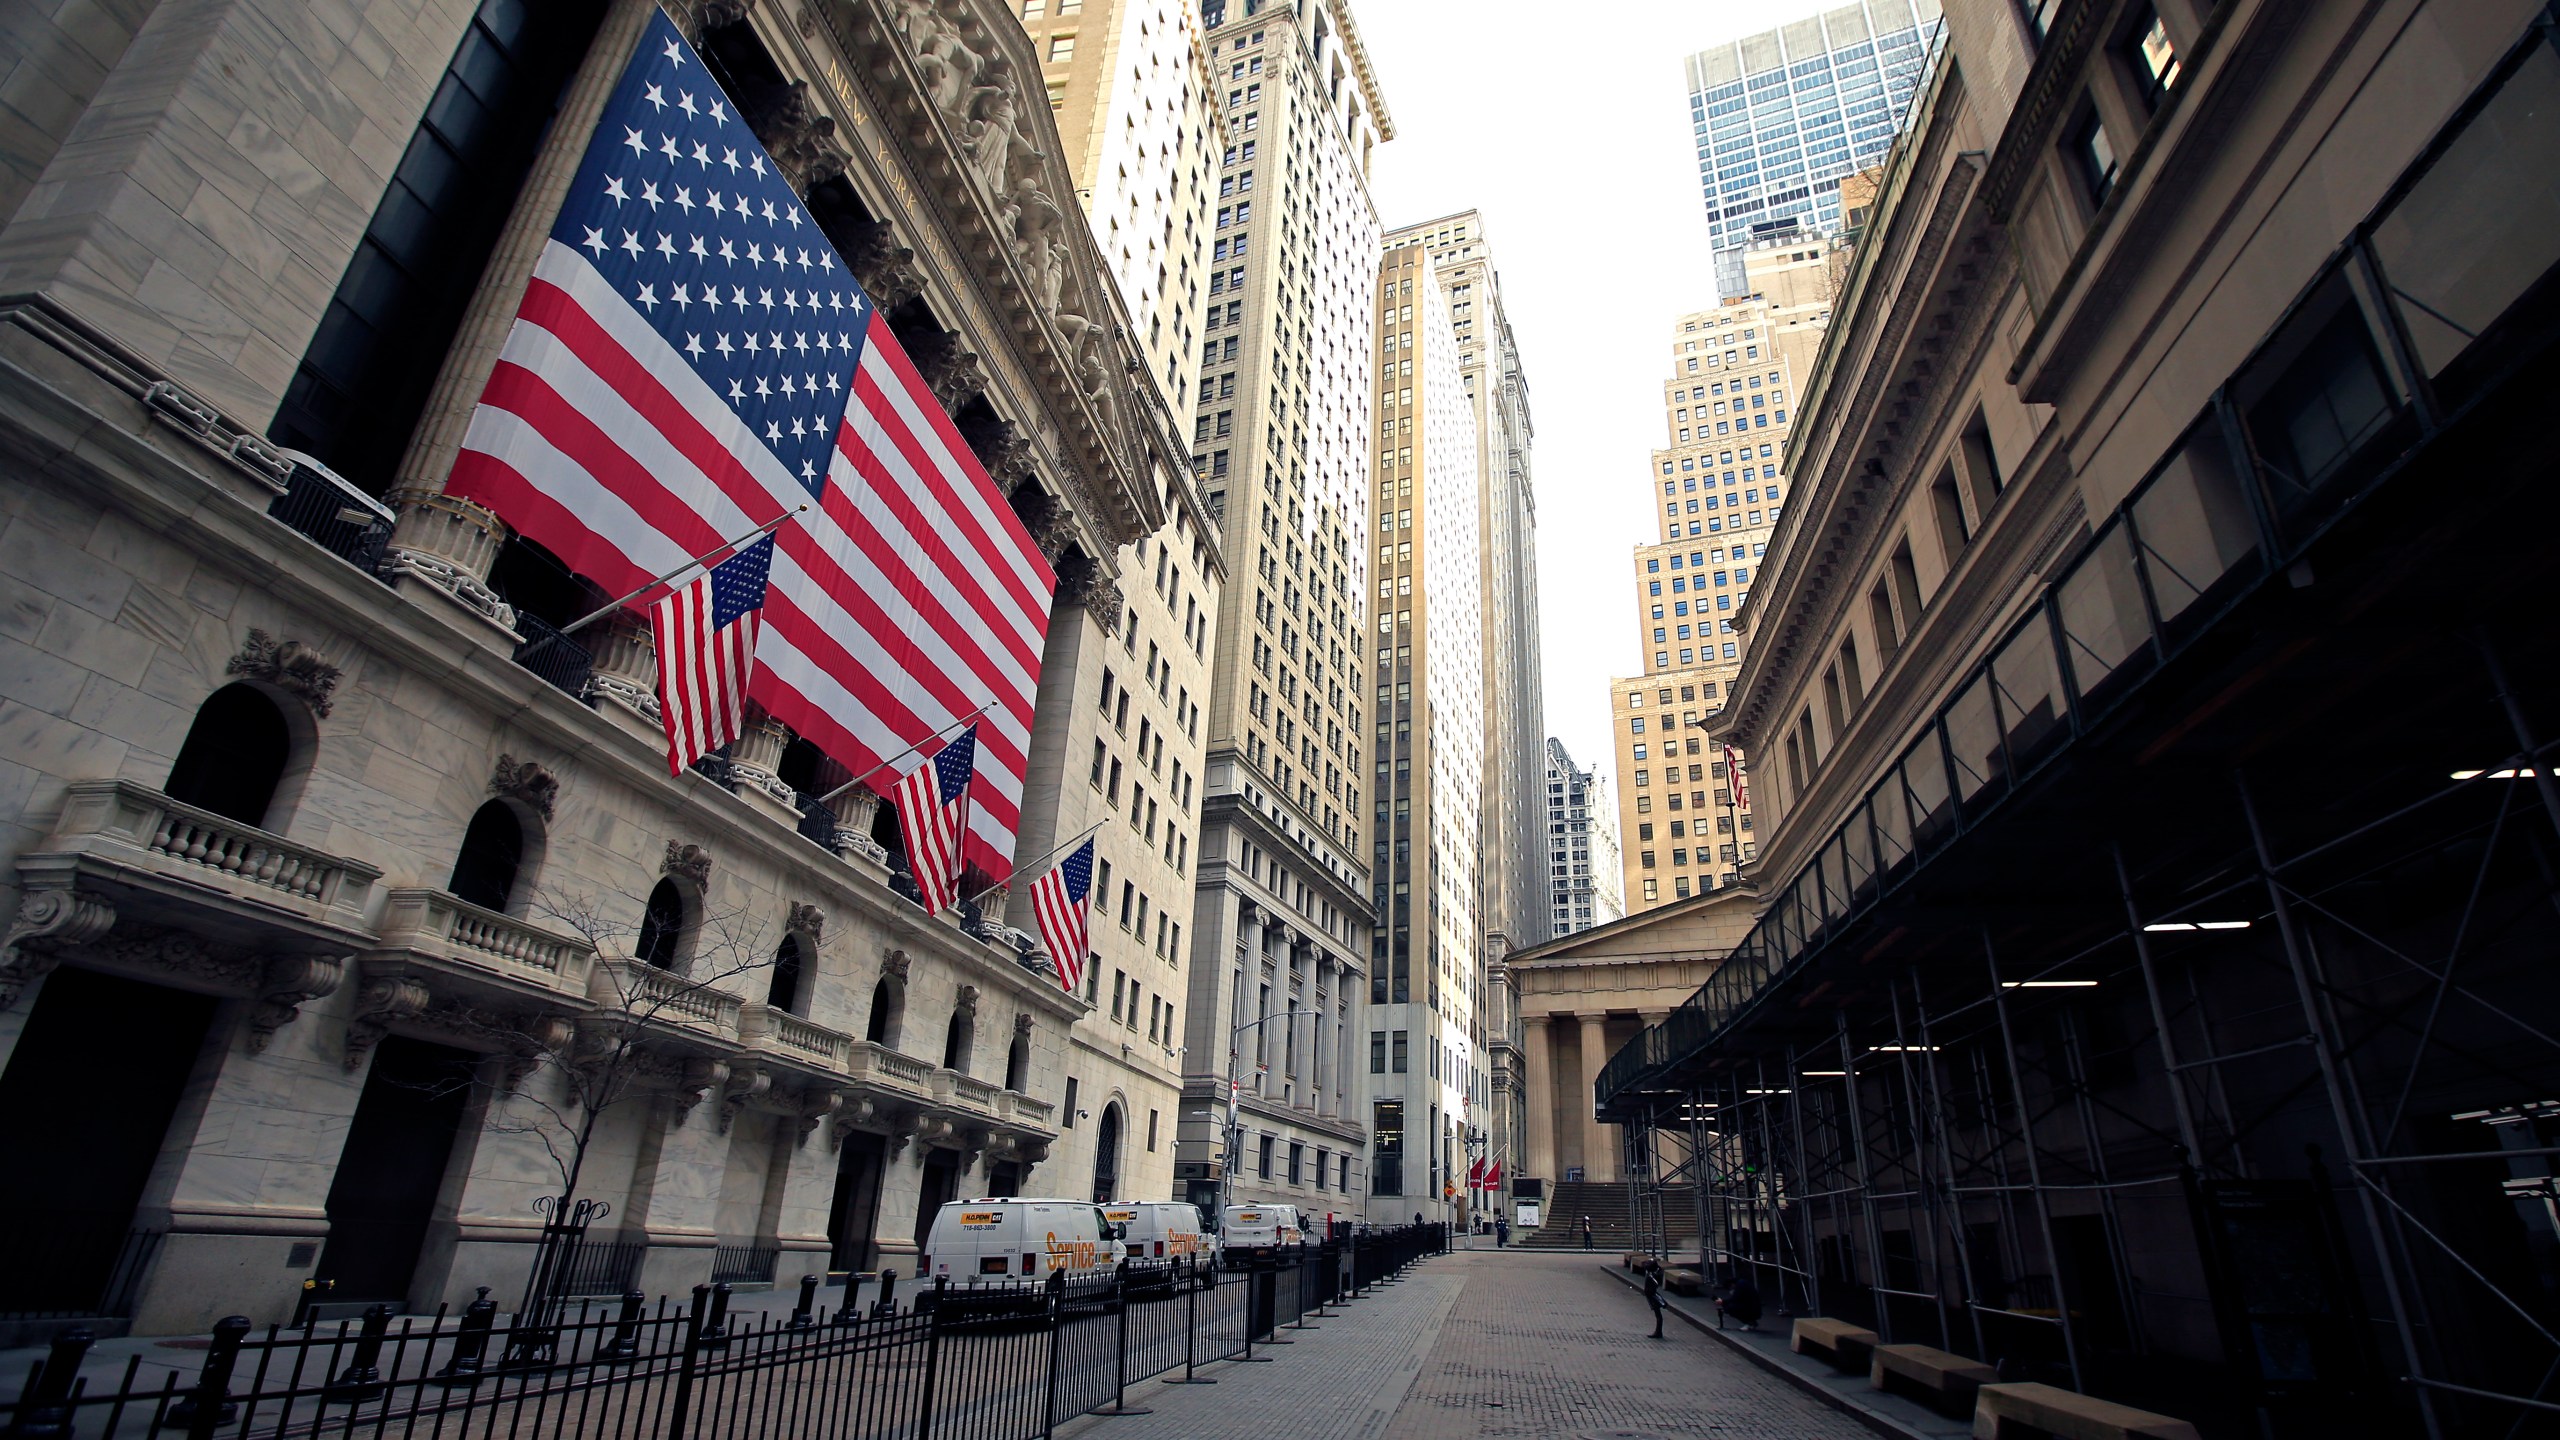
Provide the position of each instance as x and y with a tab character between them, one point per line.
692	358
706	634
1061	904
932	803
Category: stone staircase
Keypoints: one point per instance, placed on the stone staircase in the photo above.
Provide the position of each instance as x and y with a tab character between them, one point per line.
1611	1228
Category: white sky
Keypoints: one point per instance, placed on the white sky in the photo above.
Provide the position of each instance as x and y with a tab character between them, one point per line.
1569	129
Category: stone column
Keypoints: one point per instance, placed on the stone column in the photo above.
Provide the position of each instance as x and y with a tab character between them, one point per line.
1539	1076
675	1191
474	353
901	1190
1302	1035
1599	1142
1250	918
1319	1054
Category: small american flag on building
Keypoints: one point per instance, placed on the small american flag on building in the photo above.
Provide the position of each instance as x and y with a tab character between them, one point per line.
1062	903
706	634
1733	777
929	801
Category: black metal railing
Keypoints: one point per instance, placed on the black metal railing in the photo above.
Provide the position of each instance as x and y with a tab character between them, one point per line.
817	820
2342	395
63	1268
744	1264
553	656
334	514
980	1363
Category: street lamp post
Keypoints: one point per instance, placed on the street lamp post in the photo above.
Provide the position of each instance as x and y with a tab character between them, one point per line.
1227	1169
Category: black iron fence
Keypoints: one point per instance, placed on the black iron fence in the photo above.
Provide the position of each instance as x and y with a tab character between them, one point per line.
975	1364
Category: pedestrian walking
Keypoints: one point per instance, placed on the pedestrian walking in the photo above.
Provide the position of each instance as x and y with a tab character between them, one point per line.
1742	1302
1586	1232
1653	1293
1501	1233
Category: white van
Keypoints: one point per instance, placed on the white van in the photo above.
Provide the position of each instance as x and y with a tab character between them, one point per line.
1156	1235
1010	1240
1257	1234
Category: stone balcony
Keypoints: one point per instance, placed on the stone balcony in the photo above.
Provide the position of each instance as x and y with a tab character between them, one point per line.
666	1004
773	1034
135	883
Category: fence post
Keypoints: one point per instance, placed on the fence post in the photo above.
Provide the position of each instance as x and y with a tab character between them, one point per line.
208	1406
362	1379
45	1407
470	1342
1057	1341
680	1409
1191	1325
625	1344
932	1352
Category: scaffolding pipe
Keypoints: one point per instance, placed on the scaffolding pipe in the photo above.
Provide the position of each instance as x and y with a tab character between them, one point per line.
2035	1169
1795	1115
1925	1224
1866	1183
1947	1166
2178	1103
2340	1111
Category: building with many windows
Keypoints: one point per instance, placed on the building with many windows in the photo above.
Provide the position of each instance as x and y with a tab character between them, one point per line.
1282	954
338	874
1426	1054
1736	383
1778	117
1127	82
1497	390
1582	846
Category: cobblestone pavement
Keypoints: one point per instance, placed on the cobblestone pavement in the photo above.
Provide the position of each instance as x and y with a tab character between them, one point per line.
1495	1345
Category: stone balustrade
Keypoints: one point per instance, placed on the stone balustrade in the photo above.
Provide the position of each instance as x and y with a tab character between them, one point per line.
780	1033
179	840
443	927
663	997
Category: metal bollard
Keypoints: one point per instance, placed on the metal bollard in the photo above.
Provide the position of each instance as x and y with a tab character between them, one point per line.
362	1379
625	1344
208	1406
801	1319
470	1342
850	1312
715	1334
886	1307
45	1407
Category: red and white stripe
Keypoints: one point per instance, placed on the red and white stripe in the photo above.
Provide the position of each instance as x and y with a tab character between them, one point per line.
1064	928
702	672
907	597
931	830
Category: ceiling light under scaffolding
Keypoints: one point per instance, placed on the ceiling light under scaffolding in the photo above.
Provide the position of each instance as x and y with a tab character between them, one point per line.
2048	984
2160	926
2493	774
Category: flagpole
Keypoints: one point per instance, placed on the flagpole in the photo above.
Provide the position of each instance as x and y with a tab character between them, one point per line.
1054	852
903	754
740	543
592	616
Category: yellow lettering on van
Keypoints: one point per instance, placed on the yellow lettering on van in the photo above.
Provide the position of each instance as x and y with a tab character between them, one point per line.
1069	1254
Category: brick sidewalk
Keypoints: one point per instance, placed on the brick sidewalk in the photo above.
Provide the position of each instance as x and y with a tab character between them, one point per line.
1503	1345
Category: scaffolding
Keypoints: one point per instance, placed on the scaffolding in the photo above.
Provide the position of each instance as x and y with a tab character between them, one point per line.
2193	1040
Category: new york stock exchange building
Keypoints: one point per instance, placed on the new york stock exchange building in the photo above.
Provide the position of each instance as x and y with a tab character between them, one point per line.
359	925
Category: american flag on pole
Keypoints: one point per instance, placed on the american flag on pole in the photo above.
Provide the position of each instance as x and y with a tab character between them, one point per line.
931	801
692	358
1061	902
1733	777
706	633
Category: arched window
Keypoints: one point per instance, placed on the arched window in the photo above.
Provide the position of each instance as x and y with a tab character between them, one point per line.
1106	1156
787	975
955	1042
888	1007
1017	1063
662	928
234	756
484	872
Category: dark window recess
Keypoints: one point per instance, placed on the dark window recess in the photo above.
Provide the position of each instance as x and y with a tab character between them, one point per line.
234	756
2093	158
484	873
784	993
2150	56
358	392
662	927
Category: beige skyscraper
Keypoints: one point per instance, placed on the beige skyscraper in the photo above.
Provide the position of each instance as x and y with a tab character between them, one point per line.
1129	86
1426	1053
1497	390
1734	383
1280	446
